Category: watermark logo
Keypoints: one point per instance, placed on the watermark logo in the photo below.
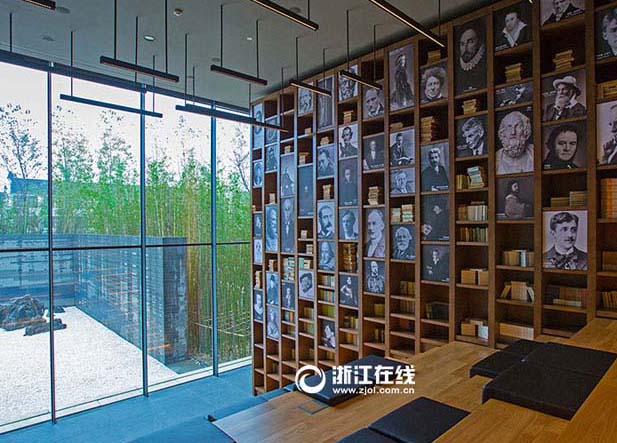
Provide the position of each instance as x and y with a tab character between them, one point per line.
308	371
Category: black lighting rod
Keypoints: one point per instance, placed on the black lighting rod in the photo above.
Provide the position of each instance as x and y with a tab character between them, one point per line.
287	14
404	18
47	4
219	69
347	72
101	104
224	115
315	89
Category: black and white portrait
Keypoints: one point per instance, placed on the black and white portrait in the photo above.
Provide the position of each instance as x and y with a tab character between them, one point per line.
606	33
325	220
373	152
374	233
305	100
435	161
470	56
553	11
402	147
258	251
347	88
288	296
305	191
272	323
348	224
348	182
258	304
402	181
372	102
326	256
563	96
436	263
401	78
326	161
288	225
512	26
565	145
374	276
272	228
435	218
257	224
607	133
348	140
515	148
471	136
288	175
306	284
565	240
258	173
514	95
515	198
272	135
272	158
258	131
402	242
434	83
328	333
272	288
348	290
325	105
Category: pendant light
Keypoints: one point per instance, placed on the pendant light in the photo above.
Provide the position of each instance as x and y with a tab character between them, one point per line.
114	62
278	9
347	72
236	74
47	4
404	18
296	83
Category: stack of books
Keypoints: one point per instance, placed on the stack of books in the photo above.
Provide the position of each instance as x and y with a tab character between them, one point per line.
565	296
308	130
560	201
374	193
470	106
407	212
578	198
474	211
257	280
348	117
302	158
289	268
475	234
327	192
609	261
309	249
518	290
350	257
609	299
477	177
272	197
434	56
396	126
518	257
563	60
304	234
395	215
607	90
288	149
324	141
475	327
514	73
608	197
428	129
304	263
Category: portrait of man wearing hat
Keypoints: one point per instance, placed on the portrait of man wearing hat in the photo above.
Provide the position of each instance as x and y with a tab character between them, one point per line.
566	103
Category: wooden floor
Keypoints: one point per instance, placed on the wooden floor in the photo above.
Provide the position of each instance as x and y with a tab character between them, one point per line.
441	374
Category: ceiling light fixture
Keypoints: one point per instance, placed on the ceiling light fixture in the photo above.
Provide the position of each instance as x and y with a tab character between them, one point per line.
237	74
47	4
224	115
404	18
351	75
134	67
289	14
149	38
296	83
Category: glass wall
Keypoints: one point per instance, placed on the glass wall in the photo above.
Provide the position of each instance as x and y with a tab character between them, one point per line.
122	271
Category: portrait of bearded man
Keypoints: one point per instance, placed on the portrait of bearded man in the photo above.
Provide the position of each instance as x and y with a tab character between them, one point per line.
515	139
470	60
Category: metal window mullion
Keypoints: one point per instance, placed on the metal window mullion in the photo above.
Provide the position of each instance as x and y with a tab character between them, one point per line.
213	252
142	207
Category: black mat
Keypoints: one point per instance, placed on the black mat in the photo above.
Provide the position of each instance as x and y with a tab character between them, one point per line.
235	408
198	429
327	394
522	347
549	390
367	435
494	364
420	421
572	358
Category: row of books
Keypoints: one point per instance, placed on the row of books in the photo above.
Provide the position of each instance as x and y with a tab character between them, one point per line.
379	335
473	234
406	307
404	214
437	310
518	290
350	322
574	198
407	287
327	280
518	257
327	310
609	299
379	310
609	260
305	263
289	316
608	197
325	295
565	296
474	211
289	268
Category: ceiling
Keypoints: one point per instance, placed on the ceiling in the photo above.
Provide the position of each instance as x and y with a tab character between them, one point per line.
46	34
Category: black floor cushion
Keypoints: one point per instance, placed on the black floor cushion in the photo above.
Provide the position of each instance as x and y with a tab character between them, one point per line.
572	358
328	395
376	360
549	390
420	421
367	435
494	364
522	347
235	408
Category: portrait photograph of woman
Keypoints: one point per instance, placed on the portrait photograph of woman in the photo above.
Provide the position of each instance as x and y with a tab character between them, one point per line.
565	146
